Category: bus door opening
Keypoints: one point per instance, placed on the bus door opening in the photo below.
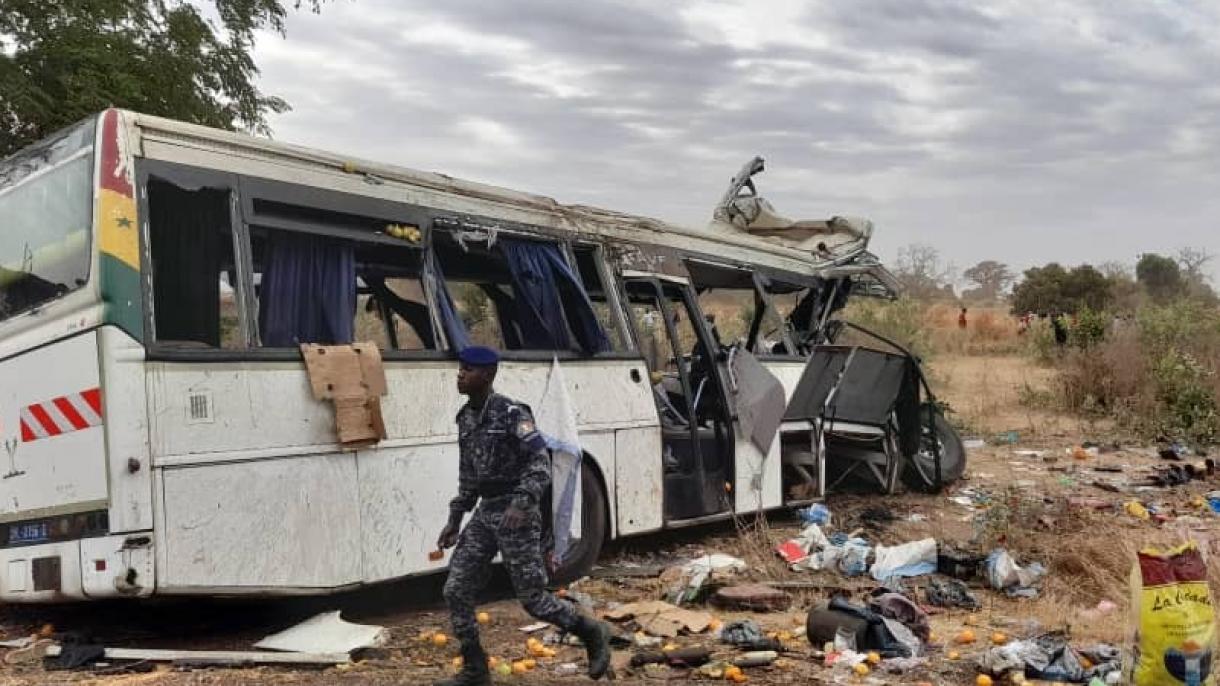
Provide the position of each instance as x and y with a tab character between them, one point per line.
696	440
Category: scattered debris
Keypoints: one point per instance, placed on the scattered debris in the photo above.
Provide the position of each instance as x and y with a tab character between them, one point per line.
679	657
533	628
627	570
973	443
756	658
225	658
904	610
758	597
1004	574
816	513
950	593
956	563
909	559
689	579
659	618
325	633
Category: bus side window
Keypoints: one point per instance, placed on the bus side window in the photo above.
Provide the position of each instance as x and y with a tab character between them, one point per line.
587	261
322	289
191	236
517	294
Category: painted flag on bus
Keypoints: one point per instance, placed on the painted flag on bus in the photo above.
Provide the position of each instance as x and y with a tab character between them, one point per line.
556	420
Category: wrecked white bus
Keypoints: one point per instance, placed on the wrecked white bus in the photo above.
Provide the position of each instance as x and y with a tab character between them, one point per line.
160	436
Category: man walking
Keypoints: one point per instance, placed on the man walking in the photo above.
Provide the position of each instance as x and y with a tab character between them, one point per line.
504	470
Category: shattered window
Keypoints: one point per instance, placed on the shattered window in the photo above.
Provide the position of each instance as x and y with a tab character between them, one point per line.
587	260
194	276
519	293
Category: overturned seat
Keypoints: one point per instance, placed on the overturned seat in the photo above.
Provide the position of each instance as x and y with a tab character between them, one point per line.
857	404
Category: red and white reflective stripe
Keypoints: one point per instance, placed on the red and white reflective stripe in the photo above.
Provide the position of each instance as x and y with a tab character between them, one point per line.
62	415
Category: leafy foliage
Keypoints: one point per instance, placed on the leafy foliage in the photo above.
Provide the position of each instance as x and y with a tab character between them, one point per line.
63	61
1160	276
1054	290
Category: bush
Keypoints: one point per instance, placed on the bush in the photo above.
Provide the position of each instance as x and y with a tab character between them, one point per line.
1157	375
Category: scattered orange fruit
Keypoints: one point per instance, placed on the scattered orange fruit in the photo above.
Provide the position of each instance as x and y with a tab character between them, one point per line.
519	668
714	625
1086	662
954	655
739	678
732	672
873	658
457	662
529	663
982	680
966	636
999	638
439	639
860	669
668	647
483	618
493	662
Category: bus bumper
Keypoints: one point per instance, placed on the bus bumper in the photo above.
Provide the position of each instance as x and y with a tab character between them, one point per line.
88	569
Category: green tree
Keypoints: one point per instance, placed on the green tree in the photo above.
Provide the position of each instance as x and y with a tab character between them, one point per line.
1160	276
62	60
1052	290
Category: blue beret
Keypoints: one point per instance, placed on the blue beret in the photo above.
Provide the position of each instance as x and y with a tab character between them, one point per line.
479	356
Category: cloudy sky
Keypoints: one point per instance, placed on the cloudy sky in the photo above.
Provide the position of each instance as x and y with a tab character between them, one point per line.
1019	130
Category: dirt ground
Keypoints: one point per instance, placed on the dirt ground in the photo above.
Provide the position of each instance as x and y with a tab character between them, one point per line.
1047	506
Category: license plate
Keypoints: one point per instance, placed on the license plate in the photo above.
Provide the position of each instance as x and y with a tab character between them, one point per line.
29	533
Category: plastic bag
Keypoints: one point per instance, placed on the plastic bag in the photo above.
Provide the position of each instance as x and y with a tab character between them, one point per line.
1175	635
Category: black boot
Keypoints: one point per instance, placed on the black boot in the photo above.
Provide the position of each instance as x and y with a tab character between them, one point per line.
474	668
596	637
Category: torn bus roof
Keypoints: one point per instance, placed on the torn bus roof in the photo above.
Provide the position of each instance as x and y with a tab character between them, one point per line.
749	224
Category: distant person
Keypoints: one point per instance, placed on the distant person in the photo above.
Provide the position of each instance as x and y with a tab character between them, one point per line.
1061	331
961	320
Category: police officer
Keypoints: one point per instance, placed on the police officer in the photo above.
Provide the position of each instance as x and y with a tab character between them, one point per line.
504	469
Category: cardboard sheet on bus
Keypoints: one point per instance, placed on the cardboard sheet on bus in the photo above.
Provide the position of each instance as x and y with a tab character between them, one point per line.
353	379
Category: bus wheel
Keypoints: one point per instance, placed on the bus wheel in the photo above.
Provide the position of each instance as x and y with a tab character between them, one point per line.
594	525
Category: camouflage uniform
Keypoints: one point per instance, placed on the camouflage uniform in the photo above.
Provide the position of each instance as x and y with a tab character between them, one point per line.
503	463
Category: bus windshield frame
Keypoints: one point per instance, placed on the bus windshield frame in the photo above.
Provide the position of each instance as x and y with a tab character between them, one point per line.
46	211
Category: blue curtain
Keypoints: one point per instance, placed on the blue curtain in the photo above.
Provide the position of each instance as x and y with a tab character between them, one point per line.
550	299
308	291
451	321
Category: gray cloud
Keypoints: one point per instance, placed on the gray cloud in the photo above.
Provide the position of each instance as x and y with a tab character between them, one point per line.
1021	130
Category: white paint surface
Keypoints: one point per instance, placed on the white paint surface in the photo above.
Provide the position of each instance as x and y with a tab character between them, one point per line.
126	408
291	523
118	558
59	472
638	475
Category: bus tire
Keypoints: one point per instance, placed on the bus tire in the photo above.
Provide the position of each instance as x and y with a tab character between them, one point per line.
920	471
594	528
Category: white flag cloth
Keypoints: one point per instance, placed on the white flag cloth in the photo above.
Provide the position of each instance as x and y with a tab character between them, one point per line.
556	419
